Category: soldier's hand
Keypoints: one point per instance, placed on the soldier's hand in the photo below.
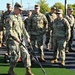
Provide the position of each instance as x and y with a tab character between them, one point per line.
28	40
18	41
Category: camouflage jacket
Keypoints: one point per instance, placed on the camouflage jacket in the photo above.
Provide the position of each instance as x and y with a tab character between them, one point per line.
15	27
61	29
50	17
38	24
70	19
5	16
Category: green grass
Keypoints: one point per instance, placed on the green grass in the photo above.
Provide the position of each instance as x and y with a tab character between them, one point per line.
20	70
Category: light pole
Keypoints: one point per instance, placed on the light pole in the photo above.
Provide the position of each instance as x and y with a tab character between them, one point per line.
65	7
28	5
12	3
21	1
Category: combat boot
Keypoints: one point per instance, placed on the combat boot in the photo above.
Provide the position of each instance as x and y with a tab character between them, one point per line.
54	61
42	59
0	45
28	71
63	63
11	72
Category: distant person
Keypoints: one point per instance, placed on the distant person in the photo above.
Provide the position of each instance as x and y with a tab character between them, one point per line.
70	19
15	31
61	34
51	16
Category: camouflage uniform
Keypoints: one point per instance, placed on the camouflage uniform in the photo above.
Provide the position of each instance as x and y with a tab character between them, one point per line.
50	17
70	19
15	27
61	34
1	32
37	25
3	18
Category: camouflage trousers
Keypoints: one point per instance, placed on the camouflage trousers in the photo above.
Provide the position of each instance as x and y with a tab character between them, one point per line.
16	51
59	48
38	40
49	36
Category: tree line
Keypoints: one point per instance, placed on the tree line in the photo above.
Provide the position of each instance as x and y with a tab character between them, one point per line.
45	7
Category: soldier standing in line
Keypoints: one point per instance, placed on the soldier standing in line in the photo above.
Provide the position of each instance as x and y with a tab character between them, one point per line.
51	16
3	18
15	31
61	34
38	24
70	19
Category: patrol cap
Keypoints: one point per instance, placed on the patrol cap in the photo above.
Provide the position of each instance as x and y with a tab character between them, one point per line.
53	8
37	6
8	4
71	9
19	6
59	11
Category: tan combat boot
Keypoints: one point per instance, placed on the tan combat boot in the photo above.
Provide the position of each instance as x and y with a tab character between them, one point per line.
63	63
54	61
11	72
0	45
42	58
28	71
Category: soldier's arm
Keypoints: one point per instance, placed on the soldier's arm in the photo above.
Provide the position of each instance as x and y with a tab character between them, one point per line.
25	32
68	30
9	26
45	22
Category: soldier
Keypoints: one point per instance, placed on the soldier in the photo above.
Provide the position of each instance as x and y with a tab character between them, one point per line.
70	19
1	32
51	16
61	34
26	21
15	31
3	18
38	24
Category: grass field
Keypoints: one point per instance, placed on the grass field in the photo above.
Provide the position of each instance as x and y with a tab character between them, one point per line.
20	70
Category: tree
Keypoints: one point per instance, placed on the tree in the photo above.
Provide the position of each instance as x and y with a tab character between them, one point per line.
59	5
43	6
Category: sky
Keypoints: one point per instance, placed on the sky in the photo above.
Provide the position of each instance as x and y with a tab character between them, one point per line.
29	4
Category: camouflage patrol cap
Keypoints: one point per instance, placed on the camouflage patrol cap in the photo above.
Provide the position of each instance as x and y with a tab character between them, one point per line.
19	6
37	6
59	11
53	8
8	4
71	9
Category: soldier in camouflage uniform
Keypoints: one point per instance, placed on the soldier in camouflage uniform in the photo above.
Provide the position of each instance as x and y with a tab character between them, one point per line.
70	19
15	31
61	34
1	32
3	18
38	25
51	16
